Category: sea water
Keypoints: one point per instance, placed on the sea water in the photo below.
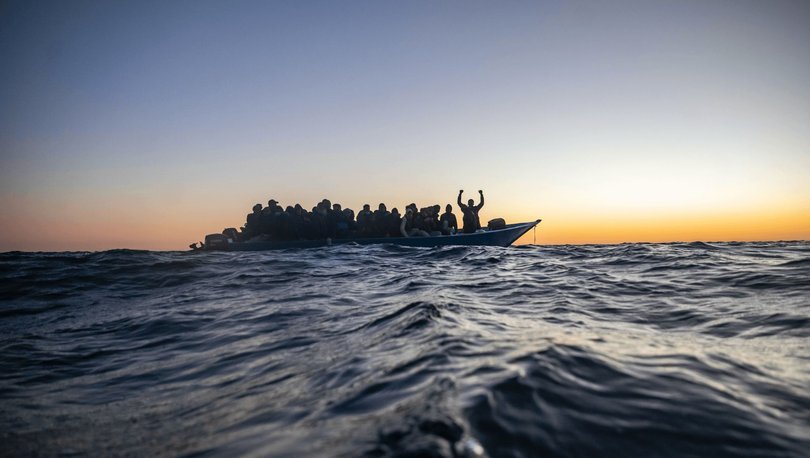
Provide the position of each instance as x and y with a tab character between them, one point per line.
684	349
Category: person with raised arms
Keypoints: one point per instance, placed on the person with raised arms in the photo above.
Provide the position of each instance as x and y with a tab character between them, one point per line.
471	221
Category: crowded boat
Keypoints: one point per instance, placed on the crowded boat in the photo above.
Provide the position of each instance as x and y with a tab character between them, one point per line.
327	220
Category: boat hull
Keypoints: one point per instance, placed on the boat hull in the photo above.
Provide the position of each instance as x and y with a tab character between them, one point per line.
499	237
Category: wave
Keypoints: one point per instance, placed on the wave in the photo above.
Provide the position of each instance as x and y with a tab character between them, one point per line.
635	349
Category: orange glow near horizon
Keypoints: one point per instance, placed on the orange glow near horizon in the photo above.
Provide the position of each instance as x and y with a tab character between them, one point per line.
94	227
764	226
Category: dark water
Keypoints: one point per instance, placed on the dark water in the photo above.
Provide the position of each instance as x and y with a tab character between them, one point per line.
625	350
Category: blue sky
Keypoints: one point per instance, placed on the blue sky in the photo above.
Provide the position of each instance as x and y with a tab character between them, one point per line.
172	118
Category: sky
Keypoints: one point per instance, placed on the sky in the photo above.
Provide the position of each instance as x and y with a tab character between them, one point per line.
147	125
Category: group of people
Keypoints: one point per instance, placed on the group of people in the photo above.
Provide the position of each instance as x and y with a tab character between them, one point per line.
328	220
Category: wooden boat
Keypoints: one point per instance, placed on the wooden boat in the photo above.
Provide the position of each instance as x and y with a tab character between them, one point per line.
486	237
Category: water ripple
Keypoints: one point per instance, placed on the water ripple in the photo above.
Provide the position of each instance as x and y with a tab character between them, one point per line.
633	350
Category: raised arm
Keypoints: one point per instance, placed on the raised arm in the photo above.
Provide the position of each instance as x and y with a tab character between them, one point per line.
460	205
478	207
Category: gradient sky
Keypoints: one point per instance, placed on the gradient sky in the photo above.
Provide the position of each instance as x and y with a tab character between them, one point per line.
149	124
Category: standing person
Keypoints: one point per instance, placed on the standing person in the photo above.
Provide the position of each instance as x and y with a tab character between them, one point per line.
449	223
471	221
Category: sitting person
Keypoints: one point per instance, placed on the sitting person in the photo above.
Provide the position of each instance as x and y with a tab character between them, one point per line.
297	221
448	221
269	221
348	215
408	227
252	223
471	221
231	233
365	221
380	221
318	223
338	222
430	221
392	224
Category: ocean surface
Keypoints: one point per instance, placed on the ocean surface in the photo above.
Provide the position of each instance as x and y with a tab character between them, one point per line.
685	349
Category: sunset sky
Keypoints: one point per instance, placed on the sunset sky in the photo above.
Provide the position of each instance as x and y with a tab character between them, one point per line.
149	124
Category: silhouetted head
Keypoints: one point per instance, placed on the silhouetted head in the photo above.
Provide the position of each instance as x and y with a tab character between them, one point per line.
366	207
326	203
471	203
289	209
395	211
271	203
381	207
257	208
448	208
336	207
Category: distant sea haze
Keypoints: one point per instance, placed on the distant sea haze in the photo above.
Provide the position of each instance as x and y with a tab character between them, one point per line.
683	349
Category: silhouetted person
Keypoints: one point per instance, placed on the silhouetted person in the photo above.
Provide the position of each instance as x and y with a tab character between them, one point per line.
281	227
392	228
408	226
297	222
427	221
365	220
471	221
435	224
231	233
268	223
448	221
252	222
338	222
348	215
381	221
319	222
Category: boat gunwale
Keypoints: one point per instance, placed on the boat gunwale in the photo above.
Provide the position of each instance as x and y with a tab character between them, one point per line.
439	240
